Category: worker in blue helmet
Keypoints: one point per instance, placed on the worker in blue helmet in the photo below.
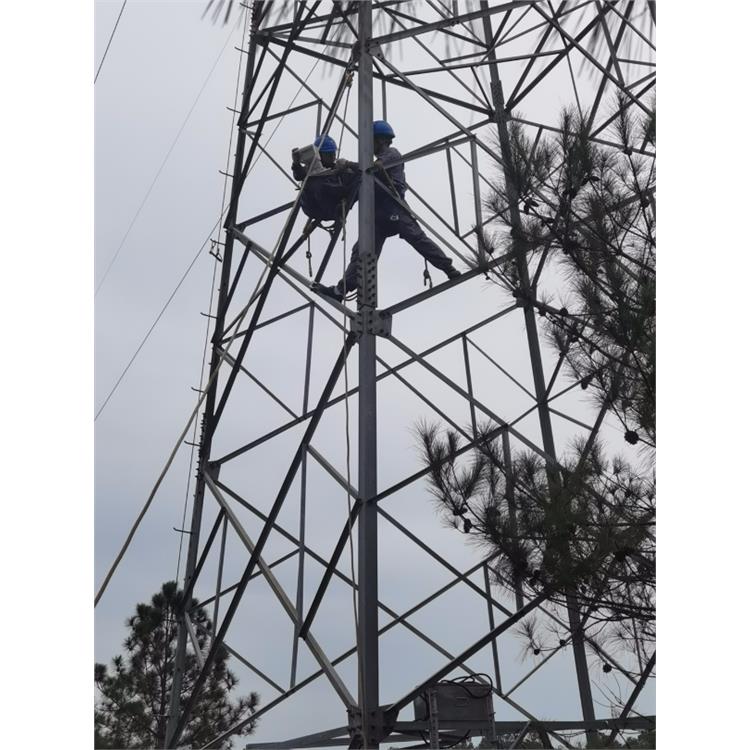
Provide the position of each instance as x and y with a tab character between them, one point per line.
302	159
328	182
392	216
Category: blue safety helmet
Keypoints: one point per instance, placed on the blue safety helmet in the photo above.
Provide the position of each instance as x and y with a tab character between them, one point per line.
381	129
325	144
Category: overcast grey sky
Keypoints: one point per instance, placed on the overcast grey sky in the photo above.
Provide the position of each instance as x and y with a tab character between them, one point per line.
49	55
159	61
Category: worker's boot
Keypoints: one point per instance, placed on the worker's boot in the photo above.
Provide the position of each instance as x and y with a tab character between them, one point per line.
452	273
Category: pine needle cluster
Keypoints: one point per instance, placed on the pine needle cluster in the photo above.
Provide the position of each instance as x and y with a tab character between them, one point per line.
588	212
588	535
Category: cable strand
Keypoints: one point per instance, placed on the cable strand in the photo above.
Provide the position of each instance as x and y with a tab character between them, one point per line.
161	168
111	37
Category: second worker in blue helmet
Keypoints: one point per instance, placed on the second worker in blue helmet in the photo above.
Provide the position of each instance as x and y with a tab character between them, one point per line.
391	216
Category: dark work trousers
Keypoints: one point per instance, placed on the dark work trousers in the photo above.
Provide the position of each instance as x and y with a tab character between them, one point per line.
408	230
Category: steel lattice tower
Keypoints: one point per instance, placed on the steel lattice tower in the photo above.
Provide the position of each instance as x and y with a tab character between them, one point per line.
260	541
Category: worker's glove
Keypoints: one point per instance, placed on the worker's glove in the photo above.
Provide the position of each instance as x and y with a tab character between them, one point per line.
295	156
343	164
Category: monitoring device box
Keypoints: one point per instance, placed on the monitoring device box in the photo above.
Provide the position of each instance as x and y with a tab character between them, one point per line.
456	701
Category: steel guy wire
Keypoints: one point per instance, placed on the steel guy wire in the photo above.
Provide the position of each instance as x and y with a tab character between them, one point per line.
158	318
213	287
225	352
111	37
122	375
164	161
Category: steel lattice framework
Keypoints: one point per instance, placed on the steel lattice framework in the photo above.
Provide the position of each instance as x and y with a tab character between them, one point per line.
262	541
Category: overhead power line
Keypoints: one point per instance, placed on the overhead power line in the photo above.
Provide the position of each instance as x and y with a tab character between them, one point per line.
111	37
158	317
205	242
212	376
163	163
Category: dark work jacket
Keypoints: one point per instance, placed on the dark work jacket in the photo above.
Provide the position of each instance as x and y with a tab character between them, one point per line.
323	193
385	205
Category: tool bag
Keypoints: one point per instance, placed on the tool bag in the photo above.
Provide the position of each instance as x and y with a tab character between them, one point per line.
323	194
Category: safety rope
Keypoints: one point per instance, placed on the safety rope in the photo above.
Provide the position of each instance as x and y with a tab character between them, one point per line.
344	206
348	77
308	255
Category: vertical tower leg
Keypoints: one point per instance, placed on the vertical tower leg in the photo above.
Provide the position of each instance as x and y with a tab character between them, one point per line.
209	424
579	649
367	483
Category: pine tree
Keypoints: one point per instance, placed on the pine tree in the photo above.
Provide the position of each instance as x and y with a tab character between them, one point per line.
591	209
585	529
133	697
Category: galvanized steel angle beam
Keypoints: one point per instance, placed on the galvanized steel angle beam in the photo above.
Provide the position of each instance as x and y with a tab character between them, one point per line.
229	589
397	619
296	42
389	370
278	590
516	96
187	709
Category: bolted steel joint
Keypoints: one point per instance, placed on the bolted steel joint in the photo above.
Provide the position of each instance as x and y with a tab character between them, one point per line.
212	469
372	321
379	725
367	277
376	51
